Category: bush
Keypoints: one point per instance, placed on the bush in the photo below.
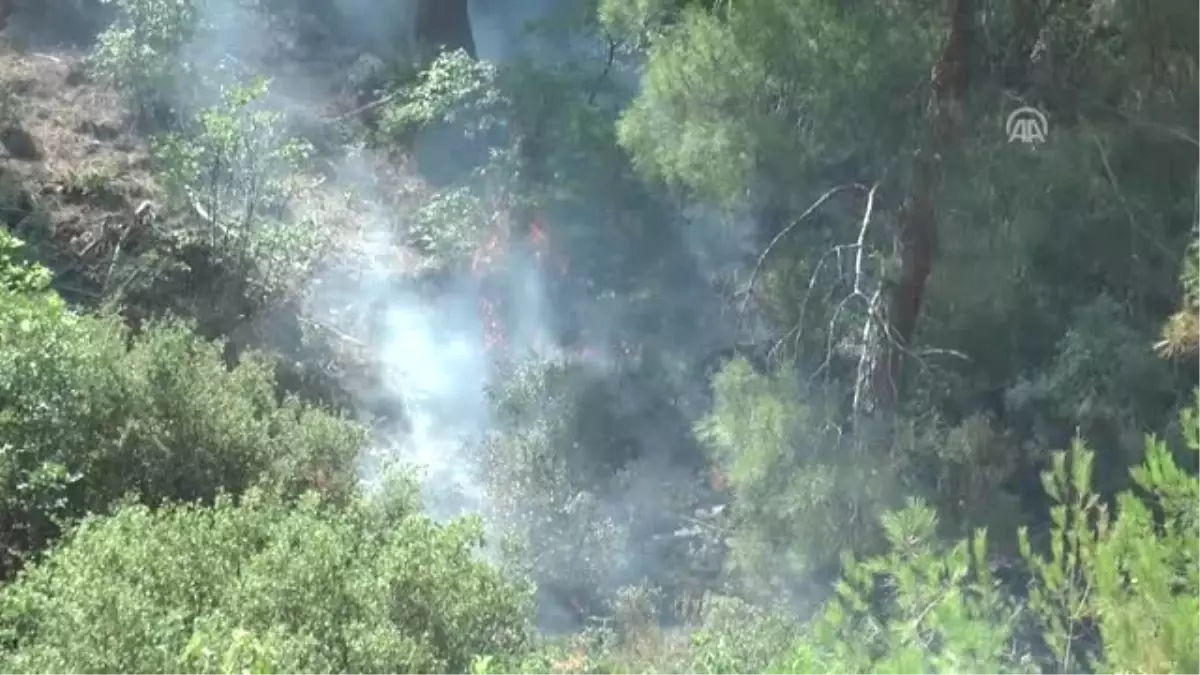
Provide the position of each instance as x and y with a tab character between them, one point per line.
594	502
238	172
1118	592
139	54
261	586
89	411
454	90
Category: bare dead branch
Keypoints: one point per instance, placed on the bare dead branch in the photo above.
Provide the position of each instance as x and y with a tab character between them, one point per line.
856	293
874	321
112	265
363	108
749	289
796	331
333	331
866	355
862	235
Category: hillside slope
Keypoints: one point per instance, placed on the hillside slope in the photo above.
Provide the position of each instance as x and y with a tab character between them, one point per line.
74	180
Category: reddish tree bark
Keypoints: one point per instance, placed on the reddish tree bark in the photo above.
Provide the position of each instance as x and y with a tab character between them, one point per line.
444	25
918	218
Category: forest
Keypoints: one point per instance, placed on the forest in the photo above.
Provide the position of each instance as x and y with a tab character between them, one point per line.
599	336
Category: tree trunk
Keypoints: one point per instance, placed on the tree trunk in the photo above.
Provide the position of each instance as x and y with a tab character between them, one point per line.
444	25
1018	57
918	216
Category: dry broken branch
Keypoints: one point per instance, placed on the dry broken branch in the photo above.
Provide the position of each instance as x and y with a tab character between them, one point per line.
859	244
749	289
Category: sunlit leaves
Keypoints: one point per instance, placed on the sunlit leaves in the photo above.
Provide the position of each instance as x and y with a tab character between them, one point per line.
237	172
762	94
89	412
140	53
261	585
455	89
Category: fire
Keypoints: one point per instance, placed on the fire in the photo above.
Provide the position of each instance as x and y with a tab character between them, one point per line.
541	243
537	237
490	256
718	479
493	331
487	255
577	661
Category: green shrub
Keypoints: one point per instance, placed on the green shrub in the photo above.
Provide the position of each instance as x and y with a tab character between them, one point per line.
1129	578
139	54
1118	593
264	585
456	90
236	171
89	412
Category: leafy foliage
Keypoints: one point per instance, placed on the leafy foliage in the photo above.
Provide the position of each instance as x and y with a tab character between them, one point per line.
556	507
89	412
263	585
454	89
670	520
742	99
139	54
238	171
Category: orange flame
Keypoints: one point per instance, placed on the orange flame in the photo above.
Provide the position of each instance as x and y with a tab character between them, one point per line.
490	255
541	243
486	255
537	237
578	660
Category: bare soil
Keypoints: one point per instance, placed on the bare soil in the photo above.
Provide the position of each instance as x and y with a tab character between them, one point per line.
88	182
81	192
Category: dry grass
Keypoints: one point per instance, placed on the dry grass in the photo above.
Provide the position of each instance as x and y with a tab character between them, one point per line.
93	171
87	188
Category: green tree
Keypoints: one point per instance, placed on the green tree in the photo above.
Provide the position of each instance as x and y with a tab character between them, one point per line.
1108	572
863	151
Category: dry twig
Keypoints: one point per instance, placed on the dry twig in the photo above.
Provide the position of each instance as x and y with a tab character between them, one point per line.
749	289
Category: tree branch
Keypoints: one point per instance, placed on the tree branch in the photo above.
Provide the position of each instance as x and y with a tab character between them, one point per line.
608	64
749	289
859	244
